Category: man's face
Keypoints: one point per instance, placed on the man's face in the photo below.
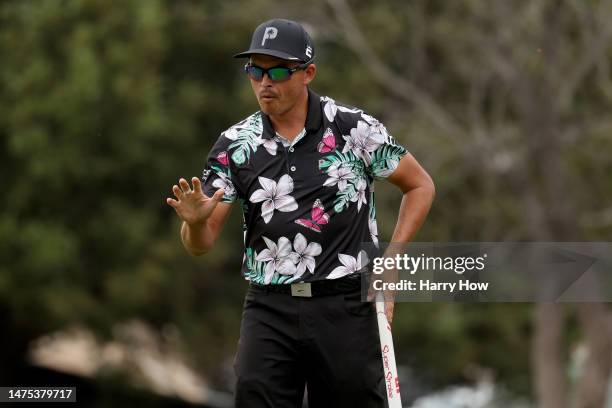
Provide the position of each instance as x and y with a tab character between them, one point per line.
277	98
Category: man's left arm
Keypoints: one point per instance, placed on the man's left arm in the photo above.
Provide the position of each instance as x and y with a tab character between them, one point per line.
418	194
419	191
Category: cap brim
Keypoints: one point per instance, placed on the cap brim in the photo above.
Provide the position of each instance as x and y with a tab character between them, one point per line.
264	51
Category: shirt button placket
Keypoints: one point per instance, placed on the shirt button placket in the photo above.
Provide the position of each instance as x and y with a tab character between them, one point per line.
287	161
289	158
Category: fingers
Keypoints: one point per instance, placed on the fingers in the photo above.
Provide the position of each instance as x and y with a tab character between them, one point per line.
178	193
184	186
197	185
389	306
371	293
389	314
370	297
218	195
172	203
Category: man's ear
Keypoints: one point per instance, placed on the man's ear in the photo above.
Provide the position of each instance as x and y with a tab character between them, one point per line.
309	73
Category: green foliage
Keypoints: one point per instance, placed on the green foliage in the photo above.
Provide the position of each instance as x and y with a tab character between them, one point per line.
104	108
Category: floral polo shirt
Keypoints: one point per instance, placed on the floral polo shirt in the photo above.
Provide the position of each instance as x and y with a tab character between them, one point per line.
309	205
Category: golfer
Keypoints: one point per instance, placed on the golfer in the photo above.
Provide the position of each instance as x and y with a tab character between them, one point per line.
302	168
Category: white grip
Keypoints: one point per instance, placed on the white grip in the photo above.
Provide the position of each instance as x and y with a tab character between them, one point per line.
392	388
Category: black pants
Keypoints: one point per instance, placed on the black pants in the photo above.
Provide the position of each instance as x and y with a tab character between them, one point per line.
330	343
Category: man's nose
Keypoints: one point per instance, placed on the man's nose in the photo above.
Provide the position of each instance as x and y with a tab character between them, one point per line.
265	80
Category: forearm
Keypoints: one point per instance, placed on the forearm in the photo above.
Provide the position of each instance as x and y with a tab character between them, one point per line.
197	239
413	211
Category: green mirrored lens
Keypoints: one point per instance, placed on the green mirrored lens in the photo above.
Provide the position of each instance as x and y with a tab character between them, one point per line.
278	74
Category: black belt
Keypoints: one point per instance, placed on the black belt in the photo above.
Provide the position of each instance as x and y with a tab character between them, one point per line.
323	287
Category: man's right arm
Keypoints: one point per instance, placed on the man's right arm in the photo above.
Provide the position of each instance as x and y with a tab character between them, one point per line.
203	216
199	238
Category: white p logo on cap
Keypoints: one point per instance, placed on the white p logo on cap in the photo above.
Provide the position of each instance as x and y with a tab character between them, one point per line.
270	33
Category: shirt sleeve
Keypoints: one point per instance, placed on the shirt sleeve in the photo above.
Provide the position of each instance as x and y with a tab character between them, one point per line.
217	172
383	151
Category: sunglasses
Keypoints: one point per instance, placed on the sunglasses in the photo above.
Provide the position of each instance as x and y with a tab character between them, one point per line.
276	74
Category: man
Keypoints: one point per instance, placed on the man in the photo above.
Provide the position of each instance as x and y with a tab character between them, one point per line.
303	169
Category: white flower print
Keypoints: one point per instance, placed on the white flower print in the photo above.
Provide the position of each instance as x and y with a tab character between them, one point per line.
373	231
276	257
269	145
225	183
349	265
370	119
376	127
231	133
360	194
304	254
331	108
362	141
339	175
274	196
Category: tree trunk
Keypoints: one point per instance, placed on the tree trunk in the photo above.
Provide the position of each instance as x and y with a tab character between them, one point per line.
592	388
549	369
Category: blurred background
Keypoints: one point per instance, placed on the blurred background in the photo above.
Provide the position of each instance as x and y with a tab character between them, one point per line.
105	105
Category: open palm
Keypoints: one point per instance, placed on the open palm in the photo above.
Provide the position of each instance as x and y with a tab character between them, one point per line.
192	205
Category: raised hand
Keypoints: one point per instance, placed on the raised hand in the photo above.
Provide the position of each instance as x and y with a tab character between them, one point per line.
192	205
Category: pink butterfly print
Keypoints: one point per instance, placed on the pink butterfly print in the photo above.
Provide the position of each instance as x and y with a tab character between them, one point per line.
328	143
222	157
318	217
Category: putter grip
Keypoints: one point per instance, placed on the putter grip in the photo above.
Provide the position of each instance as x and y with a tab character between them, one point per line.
392	388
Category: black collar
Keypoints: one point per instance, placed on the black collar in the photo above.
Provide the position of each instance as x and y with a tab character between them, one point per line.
313	117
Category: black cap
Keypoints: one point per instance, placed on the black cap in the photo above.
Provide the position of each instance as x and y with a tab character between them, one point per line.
281	38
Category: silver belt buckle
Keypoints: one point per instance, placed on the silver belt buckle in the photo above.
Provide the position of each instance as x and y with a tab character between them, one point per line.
301	289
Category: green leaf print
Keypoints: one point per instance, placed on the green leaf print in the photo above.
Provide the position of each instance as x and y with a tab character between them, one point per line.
247	140
343	198
221	169
372	213
338	158
279	279
385	159
355	164
255	269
